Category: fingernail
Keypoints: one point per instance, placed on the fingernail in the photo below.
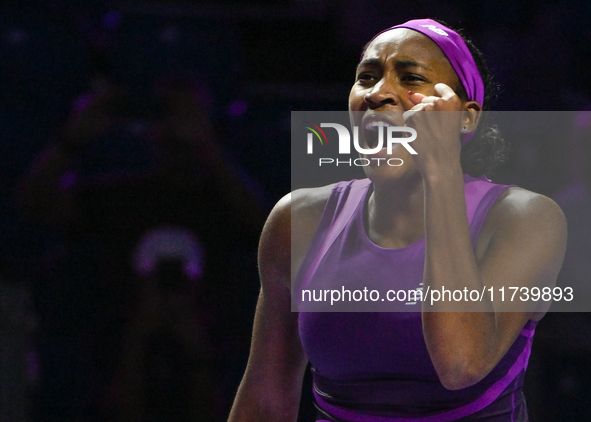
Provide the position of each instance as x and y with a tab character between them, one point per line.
409	93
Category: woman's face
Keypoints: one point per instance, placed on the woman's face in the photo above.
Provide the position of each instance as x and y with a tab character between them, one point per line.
396	62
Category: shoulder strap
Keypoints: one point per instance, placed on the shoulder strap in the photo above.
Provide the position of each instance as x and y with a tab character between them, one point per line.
481	194
340	207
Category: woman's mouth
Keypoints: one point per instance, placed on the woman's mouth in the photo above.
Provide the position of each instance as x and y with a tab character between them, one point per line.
374	130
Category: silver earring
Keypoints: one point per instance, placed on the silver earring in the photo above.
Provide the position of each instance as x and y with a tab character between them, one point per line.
464	128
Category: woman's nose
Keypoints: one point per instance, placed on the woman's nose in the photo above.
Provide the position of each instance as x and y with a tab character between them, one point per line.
382	93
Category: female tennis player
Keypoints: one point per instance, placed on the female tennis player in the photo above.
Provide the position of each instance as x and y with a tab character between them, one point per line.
434	220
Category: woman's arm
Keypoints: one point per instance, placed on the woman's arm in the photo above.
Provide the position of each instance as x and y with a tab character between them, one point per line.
521	244
271	386
525	249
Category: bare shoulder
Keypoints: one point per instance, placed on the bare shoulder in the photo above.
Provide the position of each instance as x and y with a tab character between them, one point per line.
519	208
302	207
307	206
522	242
525	228
522	218
289	229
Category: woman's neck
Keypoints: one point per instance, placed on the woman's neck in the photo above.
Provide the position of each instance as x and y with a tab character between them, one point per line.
395	213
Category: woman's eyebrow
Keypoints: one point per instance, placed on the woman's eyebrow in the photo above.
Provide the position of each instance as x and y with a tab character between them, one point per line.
399	64
369	63
406	63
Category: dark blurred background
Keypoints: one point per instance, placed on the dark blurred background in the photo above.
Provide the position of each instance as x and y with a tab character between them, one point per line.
97	130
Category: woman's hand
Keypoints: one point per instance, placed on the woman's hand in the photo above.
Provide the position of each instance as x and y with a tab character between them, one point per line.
438	134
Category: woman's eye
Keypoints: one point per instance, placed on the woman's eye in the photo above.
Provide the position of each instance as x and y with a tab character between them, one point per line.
412	78
364	77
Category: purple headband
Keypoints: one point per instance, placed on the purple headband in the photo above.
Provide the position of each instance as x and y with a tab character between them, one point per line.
456	51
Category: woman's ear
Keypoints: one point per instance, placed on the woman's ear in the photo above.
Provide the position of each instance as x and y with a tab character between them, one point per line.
471	116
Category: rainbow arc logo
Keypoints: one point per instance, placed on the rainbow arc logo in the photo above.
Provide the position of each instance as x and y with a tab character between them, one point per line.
310	137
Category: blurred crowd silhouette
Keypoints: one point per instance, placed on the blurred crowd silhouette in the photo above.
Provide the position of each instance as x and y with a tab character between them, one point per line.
142	145
160	240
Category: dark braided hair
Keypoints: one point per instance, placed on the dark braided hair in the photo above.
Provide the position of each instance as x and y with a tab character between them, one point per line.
488	148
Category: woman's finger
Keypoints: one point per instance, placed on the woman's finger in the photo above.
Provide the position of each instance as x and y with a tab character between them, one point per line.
409	114
415	97
423	106
430	99
444	91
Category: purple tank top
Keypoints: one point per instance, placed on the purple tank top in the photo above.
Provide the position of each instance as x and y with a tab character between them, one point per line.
374	366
